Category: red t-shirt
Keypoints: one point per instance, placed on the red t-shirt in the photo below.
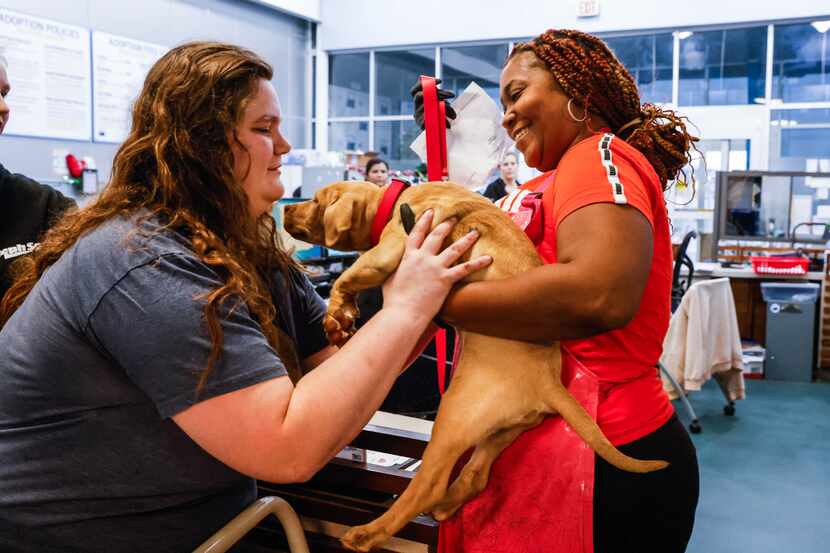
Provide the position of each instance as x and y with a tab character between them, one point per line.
606	169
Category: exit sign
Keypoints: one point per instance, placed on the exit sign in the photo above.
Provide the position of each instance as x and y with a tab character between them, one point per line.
588	8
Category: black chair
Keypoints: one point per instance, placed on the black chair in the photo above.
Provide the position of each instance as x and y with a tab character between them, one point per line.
680	282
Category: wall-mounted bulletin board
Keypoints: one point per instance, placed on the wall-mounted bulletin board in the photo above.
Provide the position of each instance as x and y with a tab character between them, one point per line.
119	66
50	69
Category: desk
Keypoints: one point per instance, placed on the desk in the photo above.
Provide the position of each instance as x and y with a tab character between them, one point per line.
751	309
704	269
348	492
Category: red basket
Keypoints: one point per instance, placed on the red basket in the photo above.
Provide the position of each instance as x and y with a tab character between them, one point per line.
780	265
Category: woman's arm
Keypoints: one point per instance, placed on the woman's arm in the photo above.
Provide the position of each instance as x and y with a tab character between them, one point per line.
604	258
276	432
281	433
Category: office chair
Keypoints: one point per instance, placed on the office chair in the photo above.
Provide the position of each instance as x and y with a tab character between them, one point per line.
681	283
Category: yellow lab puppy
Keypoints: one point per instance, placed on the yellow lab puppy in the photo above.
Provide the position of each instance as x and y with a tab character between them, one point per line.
500	388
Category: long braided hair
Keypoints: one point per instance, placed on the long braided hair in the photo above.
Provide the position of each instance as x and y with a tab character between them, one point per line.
587	71
177	165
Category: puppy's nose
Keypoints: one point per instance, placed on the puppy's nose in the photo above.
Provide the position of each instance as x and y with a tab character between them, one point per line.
289	213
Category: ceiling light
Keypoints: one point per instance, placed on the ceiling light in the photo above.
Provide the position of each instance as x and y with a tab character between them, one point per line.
821	26
683	35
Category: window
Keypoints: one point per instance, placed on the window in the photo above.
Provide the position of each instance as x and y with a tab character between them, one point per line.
724	67
396	74
800	140
392	140
314	85
348	136
804	136
801	62
649	60
293	128
810	203
349	85
482	64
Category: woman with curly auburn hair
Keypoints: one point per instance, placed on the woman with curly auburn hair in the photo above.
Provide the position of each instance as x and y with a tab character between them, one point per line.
148	341
604	293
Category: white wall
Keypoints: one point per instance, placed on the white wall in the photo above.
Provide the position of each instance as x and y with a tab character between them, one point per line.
307	9
280	39
733	122
377	23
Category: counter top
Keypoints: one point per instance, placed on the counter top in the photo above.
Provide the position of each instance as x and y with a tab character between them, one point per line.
401	422
714	270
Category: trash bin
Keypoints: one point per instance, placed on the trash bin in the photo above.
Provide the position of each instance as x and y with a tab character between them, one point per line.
791	315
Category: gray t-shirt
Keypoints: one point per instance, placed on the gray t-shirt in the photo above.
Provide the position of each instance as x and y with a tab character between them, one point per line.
105	349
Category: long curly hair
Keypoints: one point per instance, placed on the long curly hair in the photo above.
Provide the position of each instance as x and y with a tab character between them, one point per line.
587	71
177	164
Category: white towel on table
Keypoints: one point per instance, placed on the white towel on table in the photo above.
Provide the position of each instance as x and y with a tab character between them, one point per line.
704	340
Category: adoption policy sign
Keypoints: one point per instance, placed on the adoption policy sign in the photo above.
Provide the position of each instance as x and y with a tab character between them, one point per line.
119	67
49	70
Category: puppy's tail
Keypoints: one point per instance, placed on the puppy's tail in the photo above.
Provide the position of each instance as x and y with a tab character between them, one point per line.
582	423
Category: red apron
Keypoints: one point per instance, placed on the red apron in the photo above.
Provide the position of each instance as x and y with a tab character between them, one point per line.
540	495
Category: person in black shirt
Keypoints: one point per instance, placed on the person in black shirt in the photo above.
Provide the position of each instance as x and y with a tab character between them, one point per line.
507	182
27	208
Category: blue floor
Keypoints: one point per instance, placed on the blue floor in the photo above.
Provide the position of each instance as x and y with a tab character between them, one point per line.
764	473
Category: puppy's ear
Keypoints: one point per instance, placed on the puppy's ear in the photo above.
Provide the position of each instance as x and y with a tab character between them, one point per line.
337	220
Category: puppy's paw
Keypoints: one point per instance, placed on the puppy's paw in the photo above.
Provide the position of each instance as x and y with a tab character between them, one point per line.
339	328
340	318
363	539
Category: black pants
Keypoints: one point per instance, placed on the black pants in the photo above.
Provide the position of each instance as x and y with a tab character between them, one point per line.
648	512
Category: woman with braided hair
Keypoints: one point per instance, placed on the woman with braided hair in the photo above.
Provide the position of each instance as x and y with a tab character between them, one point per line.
575	113
148	340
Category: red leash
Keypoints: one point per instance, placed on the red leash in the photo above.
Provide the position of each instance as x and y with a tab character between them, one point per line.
387	204
435	115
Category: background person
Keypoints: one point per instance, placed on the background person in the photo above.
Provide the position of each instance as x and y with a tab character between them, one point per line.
506	183
27	208
377	171
143	382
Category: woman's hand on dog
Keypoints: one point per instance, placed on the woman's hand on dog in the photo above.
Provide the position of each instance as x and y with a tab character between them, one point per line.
426	274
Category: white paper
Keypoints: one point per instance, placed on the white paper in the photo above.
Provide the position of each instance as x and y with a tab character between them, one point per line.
120	66
59	162
801	211
817	182
475	143
384	459
50	73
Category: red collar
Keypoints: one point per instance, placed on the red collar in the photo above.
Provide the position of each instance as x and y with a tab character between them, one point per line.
387	204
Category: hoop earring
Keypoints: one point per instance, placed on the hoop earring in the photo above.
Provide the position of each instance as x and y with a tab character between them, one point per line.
576	119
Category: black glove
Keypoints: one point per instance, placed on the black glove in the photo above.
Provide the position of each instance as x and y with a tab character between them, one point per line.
418	95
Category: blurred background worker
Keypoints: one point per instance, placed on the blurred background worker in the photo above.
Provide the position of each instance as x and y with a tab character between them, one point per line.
507	182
